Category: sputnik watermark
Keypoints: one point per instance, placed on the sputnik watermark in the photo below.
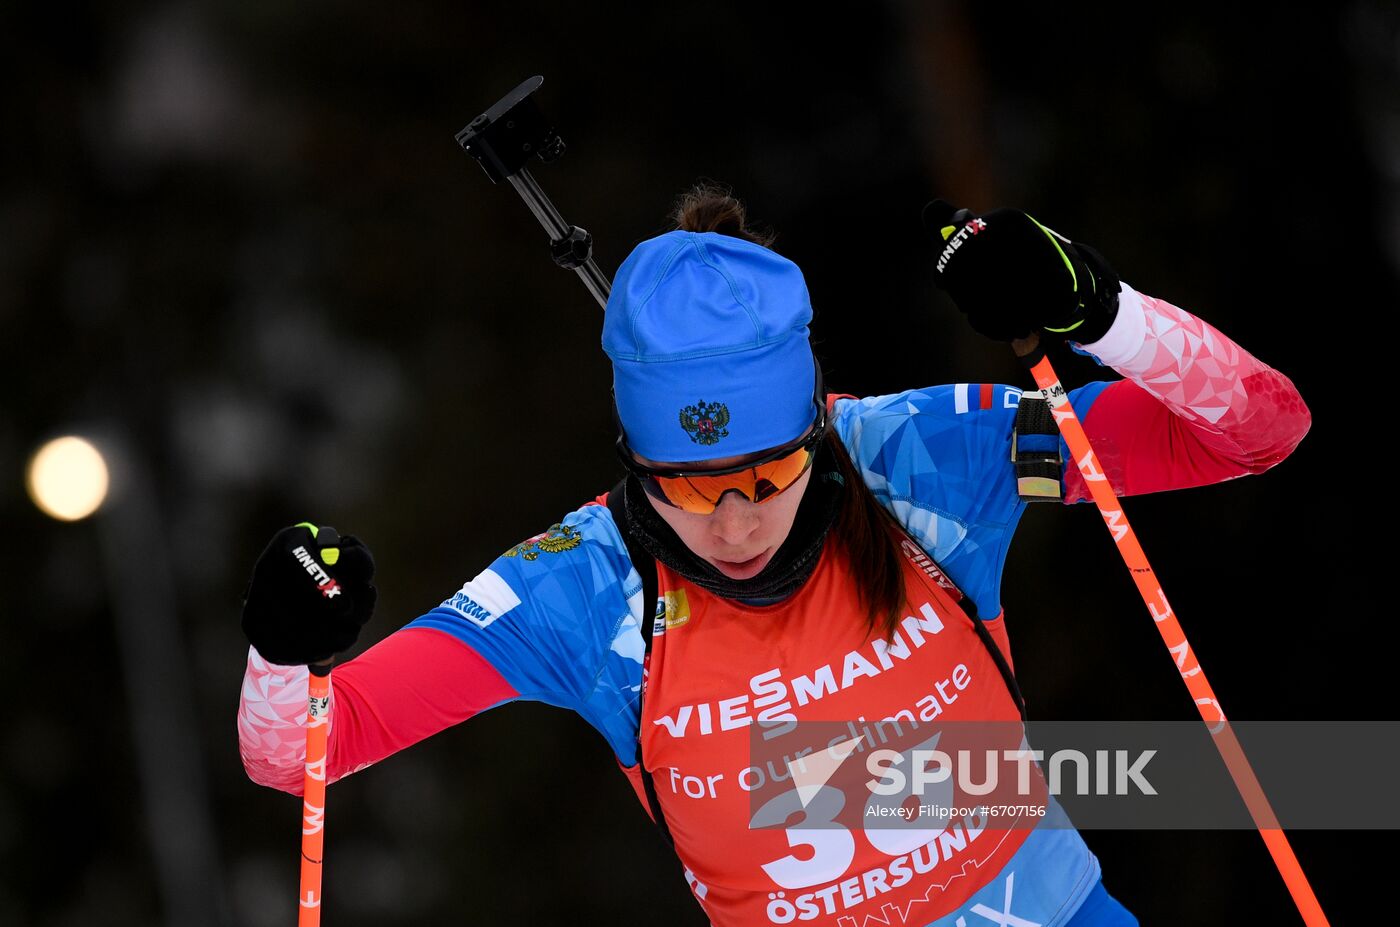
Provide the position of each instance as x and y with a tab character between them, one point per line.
1110	771
913	770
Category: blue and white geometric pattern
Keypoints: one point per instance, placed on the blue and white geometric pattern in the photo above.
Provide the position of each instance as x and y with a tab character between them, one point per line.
941	466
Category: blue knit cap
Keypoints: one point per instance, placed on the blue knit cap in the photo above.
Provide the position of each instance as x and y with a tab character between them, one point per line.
709	345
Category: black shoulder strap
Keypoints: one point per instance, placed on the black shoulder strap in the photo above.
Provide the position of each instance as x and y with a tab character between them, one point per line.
652	611
969	607
998	657
643	561
1035	450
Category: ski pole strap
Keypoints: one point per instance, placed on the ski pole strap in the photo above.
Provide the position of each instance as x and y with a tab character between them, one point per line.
1035	451
652	611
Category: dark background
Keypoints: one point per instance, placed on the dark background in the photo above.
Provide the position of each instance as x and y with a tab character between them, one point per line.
238	239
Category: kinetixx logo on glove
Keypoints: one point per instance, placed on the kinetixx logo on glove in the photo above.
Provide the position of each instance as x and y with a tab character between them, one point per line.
329	587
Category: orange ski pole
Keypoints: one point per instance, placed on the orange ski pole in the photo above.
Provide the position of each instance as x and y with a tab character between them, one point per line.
313	808
1033	356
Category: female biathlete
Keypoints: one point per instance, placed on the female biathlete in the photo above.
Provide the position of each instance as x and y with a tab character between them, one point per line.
796	557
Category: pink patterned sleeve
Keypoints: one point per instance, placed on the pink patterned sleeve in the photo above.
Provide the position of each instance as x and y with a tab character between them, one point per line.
410	685
271	718
1195	407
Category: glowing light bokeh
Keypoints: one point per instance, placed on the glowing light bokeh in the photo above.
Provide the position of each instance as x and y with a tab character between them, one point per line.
67	478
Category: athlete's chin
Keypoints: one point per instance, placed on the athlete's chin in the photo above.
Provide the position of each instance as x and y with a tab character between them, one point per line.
743	569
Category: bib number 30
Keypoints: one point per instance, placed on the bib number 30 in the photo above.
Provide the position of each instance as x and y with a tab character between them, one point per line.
830	845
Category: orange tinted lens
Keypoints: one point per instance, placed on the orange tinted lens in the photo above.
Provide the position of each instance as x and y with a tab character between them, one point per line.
700	494
783	472
683	495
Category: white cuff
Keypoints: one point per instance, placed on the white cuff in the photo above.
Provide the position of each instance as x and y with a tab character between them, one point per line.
1125	337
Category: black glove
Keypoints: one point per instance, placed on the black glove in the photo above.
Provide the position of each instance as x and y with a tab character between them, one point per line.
309	596
1012	276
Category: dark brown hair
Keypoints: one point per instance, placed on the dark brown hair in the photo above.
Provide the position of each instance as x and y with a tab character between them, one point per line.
862	523
711	207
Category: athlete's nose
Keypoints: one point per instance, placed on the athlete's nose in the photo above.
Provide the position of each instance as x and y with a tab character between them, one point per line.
734	519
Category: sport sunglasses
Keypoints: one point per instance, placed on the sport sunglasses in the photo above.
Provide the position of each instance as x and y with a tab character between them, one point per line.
699	491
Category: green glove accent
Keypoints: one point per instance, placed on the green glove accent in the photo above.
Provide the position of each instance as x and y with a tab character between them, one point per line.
330	554
1012	276
296	611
